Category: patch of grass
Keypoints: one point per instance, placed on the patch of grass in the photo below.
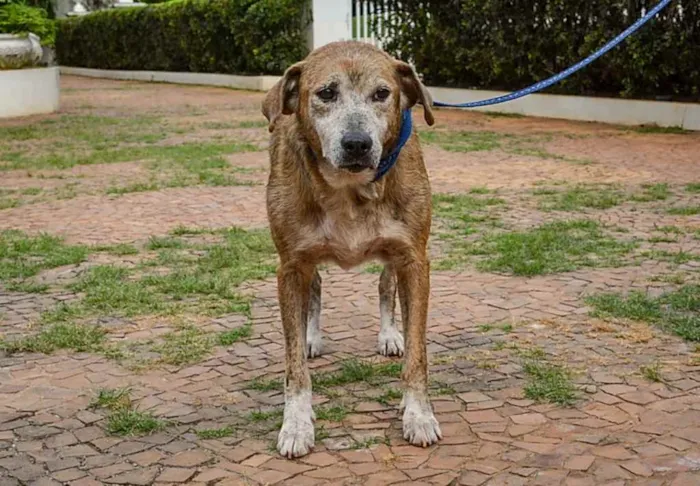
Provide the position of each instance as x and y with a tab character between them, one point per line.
580	196
219	433
479	190
354	371
9	203
368	442
253	124
23	256
676	311
485	327
27	286
112	398
551	248
507	328
265	415
463	141
389	394
679	257
374	268
498	114
263	385
684	210
187	345
653	192
135	187
161	242
335	413
119	249
547	382
693	187
76	337
129	422
185	231
655	129
652	372
228	338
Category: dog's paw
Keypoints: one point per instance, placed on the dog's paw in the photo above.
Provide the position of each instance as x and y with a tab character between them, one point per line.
390	342
296	437
420	427
314	345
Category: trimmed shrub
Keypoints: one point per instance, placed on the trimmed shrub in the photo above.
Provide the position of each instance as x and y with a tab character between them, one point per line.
506	44
214	36
21	19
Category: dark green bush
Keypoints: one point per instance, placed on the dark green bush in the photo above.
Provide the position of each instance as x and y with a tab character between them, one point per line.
16	18
509	44
218	36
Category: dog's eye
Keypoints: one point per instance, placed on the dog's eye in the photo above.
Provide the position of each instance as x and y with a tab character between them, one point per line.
381	95
327	94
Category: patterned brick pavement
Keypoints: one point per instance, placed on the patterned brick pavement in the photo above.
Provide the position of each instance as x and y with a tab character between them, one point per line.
622	430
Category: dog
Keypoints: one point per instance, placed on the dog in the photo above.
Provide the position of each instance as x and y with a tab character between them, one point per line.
348	184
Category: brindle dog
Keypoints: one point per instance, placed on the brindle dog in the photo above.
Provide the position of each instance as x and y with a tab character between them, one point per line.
333	117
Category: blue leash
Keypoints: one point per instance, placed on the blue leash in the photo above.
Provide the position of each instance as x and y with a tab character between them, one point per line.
564	74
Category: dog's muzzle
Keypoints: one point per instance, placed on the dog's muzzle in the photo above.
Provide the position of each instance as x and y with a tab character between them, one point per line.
356	148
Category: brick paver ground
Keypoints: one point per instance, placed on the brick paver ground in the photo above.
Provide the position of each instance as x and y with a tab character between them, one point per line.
623	429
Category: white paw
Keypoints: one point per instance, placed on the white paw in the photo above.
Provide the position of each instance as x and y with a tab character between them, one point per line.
296	437
420	427
314	345
390	342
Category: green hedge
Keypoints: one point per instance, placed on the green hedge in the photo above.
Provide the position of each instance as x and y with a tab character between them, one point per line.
217	36
509	44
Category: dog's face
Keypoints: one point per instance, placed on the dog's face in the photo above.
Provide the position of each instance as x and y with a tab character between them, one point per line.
348	98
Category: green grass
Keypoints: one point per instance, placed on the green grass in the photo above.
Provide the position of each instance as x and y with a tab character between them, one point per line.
219	433
253	124
551	248
355	371
265	415
684	210
266	385
463	141
119	249
655	129
185	346
368	442
75	337
693	187
547	382
112	398
485	327
653	192
676	311
335	413
507	328
652	372
579	197
23	256
228	338
129	422
389	395
135	187
27	287
480	190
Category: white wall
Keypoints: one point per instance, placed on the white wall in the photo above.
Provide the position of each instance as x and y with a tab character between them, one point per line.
331	22
26	92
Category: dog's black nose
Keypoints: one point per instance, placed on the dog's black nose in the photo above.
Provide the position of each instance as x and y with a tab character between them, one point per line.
356	144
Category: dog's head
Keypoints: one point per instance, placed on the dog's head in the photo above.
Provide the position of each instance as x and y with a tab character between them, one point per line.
348	98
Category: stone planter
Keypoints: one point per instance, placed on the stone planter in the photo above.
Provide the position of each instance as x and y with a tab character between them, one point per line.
20	50
28	91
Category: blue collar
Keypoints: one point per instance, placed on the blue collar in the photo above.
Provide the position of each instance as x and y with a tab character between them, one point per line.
390	160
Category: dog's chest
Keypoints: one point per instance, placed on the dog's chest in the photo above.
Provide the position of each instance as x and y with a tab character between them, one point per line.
350	238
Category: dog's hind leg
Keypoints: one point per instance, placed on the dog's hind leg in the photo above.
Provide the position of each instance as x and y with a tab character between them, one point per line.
390	339
314	338
419	424
296	437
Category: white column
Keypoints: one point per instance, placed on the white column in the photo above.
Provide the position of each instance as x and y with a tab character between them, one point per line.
331	22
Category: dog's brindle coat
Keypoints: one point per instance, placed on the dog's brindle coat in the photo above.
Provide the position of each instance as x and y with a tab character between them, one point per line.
344	104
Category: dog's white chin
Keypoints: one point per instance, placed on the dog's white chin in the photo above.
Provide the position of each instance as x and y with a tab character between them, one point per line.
341	178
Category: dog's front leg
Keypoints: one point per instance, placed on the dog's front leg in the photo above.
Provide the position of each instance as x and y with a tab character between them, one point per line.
419	424
296	438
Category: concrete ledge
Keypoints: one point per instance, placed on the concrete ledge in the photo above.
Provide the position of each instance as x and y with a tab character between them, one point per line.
28	91
254	83
603	110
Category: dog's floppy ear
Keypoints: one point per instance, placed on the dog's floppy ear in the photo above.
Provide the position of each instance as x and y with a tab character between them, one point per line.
283	98
413	90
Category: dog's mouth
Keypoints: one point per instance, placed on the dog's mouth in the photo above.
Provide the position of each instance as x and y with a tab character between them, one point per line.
355	168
